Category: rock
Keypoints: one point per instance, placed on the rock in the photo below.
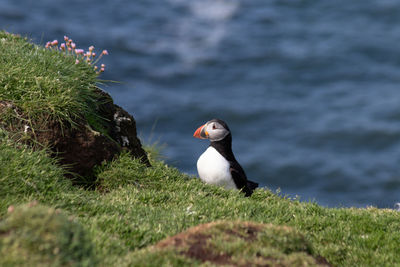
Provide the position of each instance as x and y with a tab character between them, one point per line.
78	147
122	127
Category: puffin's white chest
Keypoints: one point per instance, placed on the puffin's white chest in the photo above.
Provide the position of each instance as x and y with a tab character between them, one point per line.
213	168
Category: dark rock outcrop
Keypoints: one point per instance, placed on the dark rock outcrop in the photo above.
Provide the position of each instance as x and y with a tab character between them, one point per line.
78	147
122	126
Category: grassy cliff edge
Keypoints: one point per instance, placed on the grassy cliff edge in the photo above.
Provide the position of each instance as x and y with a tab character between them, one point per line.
135	207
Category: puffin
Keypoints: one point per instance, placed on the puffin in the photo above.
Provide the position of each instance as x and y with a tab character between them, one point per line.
217	165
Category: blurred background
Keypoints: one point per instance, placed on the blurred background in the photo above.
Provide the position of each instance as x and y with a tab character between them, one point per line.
310	89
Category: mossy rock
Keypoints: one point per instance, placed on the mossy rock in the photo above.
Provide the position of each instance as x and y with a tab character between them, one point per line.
230	243
49	101
35	235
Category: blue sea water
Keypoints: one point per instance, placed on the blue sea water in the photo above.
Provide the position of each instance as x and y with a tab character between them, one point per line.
310	89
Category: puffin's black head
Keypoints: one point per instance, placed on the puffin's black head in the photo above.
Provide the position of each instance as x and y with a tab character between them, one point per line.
215	130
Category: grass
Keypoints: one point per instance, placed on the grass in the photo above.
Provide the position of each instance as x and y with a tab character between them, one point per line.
228	243
43	236
44	83
136	207
24	172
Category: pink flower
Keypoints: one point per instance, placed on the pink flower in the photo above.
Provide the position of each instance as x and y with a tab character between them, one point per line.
79	51
33	203
80	55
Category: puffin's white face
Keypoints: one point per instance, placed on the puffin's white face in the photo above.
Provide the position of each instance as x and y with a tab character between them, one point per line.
215	130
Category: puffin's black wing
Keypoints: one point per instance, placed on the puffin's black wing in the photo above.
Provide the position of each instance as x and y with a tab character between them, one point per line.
252	185
224	147
240	179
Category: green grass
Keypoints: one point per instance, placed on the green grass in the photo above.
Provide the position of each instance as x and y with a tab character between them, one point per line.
139	206
136	207
24	172
42	236
227	242
44	83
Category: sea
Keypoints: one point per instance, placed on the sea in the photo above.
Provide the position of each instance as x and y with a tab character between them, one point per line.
310	89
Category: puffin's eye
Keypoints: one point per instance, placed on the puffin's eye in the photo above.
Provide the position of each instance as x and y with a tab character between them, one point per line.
213	127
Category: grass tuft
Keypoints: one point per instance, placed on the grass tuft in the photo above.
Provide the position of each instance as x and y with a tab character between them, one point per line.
120	172
35	235
27	174
230	243
45	84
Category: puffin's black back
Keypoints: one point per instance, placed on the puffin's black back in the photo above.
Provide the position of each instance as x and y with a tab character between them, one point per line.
224	147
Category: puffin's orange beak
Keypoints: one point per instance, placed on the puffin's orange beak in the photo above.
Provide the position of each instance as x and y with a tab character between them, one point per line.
201	132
